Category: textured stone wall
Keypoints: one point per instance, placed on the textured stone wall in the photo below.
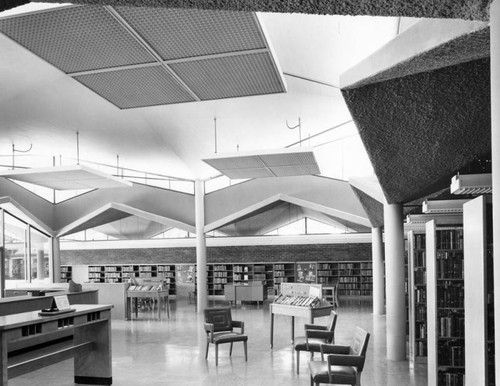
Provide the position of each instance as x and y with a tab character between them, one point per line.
231	254
453	9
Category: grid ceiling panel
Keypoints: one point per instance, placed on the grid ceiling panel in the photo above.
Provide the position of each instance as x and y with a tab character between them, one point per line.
187	33
236	162
137	87
238	174
232	76
76	39
295	170
305	158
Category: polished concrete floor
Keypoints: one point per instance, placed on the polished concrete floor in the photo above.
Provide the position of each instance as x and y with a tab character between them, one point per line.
148	351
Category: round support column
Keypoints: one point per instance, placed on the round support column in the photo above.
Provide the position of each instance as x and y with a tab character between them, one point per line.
201	246
395	282
495	163
378	271
55	261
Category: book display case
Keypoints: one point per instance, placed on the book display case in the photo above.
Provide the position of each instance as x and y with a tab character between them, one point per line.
417	291
445	305
351	278
479	320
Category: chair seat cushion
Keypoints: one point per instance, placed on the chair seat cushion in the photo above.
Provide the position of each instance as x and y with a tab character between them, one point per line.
314	344
341	374
228	337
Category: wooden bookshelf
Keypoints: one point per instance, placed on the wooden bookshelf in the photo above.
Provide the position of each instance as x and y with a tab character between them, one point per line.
445	305
478	267
66	273
417	291
218	275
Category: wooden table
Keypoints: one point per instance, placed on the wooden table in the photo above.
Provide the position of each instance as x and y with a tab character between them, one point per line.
297	311
30	341
133	295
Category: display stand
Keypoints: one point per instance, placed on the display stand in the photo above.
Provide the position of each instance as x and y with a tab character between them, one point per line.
146	289
298	290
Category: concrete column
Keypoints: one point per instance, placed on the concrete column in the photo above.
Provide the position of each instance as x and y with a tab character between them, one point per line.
395	282
378	271
40	271
201	246
55	261
495	161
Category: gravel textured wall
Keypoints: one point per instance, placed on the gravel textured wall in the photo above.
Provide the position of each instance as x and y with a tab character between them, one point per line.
455	9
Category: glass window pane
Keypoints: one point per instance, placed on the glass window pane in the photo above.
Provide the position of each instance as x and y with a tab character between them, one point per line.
40	254
15	254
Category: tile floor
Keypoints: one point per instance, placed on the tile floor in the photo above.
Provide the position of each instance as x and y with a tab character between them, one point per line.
148	351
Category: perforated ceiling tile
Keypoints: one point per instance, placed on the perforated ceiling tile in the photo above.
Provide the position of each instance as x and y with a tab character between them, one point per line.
136	87
242	162
187	33
294	170
305	158
76	38
232	76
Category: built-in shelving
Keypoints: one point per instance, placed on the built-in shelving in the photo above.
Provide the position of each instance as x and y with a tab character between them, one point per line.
445	305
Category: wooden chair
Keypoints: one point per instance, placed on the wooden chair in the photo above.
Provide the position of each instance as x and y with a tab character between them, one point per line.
315	336
343	364
219	327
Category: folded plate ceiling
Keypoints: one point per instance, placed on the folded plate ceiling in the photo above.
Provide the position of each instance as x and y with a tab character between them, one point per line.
139	56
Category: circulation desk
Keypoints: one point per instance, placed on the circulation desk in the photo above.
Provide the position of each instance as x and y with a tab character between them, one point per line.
30	341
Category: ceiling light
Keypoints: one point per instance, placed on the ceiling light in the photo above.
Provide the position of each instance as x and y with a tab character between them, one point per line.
266	163
443	206
471	184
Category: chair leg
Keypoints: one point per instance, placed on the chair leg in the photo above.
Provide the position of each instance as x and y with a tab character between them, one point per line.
231	349
298	360
245	349
206	353
358	379
312	382
216	355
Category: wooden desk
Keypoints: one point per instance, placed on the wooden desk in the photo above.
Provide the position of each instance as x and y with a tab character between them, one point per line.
297	311
251	292
132	296
30	342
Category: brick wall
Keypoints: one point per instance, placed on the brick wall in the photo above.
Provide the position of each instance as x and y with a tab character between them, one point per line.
226	254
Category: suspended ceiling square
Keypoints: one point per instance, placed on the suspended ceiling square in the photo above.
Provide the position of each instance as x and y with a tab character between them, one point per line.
270	163
139	56
66	178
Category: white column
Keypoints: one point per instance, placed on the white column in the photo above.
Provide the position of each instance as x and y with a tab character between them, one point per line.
201	246
495	162
55	261
40	272
378	271
395	282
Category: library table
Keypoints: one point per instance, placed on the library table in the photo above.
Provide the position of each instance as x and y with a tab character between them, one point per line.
30	341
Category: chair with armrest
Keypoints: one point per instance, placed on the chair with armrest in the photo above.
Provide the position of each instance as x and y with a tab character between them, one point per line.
219	327
315	335
343	364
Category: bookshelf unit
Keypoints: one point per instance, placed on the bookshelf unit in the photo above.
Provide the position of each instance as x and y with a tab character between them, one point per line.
218	275
264	272
167	273
355	278
479	321
417	290
66	273
306	272
242	273
283	273
445	305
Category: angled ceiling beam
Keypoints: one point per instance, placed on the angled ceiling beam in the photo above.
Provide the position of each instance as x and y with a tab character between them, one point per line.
26	215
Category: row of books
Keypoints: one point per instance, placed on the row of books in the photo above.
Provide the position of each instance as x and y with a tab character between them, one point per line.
451	379
450	239
421	295
421	313
419	240
450	265
239	268
300	301
220	268
451	326
421	349
450	297
157	287
452	356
